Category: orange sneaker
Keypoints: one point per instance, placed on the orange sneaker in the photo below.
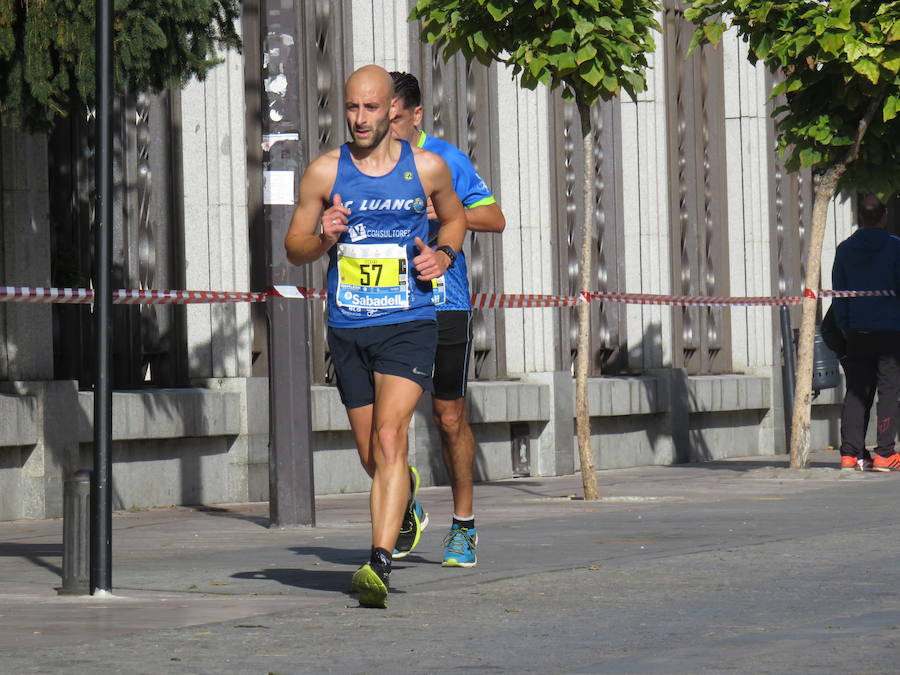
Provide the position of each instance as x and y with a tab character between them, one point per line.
889	463
851	463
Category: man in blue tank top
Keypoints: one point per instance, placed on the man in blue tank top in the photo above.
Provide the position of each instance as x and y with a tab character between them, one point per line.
364	205
452	300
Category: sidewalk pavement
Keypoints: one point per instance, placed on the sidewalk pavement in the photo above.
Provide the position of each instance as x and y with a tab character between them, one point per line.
739	565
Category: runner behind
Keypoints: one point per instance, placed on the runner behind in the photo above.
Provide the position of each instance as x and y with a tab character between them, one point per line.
452	299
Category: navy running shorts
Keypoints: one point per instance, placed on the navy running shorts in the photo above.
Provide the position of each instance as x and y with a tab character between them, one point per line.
451	362
402	349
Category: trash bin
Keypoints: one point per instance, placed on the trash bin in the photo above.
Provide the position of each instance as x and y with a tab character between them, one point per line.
826	371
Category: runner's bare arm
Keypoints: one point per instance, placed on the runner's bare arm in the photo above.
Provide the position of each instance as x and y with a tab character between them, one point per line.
305	240
486	218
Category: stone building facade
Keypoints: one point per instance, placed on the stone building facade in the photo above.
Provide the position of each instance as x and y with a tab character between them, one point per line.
691	199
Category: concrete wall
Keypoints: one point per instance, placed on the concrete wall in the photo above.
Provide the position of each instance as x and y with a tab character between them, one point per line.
174	446
210	445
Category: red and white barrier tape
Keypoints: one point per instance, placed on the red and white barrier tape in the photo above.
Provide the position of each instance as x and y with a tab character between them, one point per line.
140	297
499	301
693	300
83	296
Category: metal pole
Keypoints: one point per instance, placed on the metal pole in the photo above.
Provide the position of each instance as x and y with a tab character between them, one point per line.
788	370
291	488
101	488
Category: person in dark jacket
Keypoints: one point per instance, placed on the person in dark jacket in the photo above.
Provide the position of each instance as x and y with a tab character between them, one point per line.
869	260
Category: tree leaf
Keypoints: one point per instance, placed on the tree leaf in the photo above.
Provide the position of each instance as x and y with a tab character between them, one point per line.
761	45
832	43
713	32
854	49
867	68
894	33
584	27
610	83
564	62
843	18
537	65
586	53
560	37
606	23
891	108
497	13
593	75
891	61
625	27
636	81
786	86
809	157
762	12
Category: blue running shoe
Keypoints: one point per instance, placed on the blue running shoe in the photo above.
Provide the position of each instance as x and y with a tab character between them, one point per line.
415	520
460	544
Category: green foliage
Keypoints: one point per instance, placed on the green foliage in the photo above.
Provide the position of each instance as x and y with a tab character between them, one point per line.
590	48
837	59
47	51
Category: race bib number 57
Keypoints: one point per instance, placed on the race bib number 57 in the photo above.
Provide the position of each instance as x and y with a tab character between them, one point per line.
372	276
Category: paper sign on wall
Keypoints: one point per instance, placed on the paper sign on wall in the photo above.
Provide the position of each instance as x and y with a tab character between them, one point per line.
278	187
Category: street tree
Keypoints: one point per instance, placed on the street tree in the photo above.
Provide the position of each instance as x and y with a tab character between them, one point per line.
838	63
47	51
590	49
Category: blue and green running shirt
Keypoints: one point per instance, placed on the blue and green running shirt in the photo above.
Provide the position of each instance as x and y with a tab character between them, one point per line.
472	191
371	279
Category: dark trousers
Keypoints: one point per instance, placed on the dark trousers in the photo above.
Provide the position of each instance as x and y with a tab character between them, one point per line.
845	365
873	361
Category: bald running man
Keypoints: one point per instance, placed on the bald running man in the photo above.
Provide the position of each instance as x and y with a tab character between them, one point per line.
365	206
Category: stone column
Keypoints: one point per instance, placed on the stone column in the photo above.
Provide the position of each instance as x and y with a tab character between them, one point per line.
214	157
26	330
646	214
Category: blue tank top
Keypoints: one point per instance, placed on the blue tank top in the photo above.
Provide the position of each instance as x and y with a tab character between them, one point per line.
472	191
371	280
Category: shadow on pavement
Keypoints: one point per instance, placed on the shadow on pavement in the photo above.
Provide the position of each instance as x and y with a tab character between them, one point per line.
319	580
35	554
337	581
526	485
261	520
338	556
749	465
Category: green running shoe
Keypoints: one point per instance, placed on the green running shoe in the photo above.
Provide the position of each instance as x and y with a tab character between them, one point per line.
371	586
415	520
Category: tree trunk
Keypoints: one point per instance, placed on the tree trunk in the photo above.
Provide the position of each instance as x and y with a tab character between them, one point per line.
582	360
825	190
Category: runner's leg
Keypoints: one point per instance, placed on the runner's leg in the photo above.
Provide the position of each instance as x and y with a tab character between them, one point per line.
361	424
448	405
395	400
457	451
